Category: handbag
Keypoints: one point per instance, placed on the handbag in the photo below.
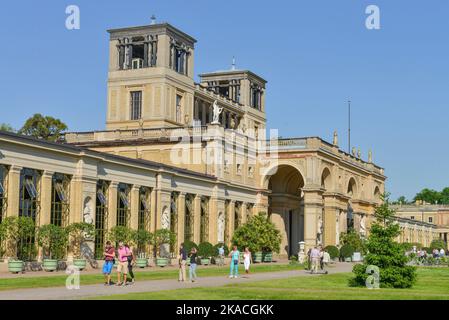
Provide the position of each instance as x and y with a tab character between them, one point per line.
236	262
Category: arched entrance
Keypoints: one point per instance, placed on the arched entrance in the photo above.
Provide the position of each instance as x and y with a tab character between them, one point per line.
286	210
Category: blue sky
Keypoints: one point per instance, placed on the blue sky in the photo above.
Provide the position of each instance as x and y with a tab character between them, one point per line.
314	54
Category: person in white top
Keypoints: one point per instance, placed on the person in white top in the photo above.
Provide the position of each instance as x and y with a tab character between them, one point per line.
247	259
442	253
315	256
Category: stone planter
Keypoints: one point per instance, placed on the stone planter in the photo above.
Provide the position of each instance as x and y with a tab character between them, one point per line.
141	262
80	263
15	266
50	265
205	261
267	257
162	262
257	257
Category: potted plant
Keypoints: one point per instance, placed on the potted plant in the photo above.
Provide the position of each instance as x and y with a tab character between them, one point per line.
78	233
143	238
53	240
13	229
216	256
205	252
333	251
346	252
260	235
162	240
121	234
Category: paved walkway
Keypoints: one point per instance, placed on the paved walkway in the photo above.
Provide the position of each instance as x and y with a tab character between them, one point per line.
61	293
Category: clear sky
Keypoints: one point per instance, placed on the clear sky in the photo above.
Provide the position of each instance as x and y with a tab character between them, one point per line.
314	54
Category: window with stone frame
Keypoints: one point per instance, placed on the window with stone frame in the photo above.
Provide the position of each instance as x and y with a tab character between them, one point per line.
136	105
123	205
60	199
101	217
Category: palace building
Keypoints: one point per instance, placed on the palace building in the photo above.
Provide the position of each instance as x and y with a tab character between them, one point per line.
194	158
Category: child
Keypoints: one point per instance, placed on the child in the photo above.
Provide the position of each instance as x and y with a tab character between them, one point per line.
109	259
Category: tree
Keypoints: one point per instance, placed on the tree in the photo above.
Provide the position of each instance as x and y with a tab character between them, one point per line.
122	234
6	127
429	196
43	127
353	239
258	234
163	237
53	239
13	229
385	253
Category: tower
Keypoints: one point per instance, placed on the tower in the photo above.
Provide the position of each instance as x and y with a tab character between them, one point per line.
150	78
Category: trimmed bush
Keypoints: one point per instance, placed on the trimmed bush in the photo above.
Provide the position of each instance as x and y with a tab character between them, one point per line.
333	251
206	250
438	244
426	249
188	245
218	246
346	251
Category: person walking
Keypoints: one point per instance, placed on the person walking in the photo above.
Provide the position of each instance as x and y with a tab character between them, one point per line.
235	259
122	267
182	263
192	270
109	259
247	259
131	261
315	256
442	253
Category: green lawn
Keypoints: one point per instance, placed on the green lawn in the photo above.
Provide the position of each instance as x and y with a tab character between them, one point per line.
432	284
154	274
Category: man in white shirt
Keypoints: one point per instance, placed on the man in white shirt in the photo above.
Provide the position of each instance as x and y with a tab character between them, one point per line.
315	256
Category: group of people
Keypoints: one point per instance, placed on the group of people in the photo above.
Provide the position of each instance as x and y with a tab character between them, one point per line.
318	259
126	260
192	256
420	253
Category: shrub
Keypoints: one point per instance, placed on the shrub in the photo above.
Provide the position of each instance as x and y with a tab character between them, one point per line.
438	244
427	249
15	228
53	240
333	251
354	239
122	234
385	253
142	239
206	250
188	245
346	251
163	237
218	246
258	234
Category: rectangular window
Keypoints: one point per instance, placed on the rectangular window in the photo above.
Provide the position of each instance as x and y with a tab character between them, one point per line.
59	199
430	220
123	207
412	217
136	105
3	175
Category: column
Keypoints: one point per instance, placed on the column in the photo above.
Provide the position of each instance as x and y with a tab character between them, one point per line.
13	191
197	218
45	198
181	217
135	201
112	205
312	209
145	55
153	210
230	225
243	212
329	219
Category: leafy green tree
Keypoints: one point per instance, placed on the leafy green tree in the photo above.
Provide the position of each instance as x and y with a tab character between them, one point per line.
206	250
6	127
444	196
43	127
353	239
429	196
142	239
163	237
53	239
121	233
13	229
385	253
438	244
258	234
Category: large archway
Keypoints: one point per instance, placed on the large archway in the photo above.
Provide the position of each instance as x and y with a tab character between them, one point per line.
285	206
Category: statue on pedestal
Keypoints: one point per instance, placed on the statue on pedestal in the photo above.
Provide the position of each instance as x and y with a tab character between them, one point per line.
370	156
335	142
217	111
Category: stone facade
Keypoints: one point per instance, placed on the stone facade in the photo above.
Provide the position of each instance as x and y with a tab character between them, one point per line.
160	151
